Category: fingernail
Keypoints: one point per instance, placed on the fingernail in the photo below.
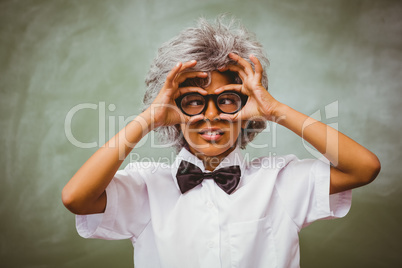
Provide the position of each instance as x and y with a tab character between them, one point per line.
178	64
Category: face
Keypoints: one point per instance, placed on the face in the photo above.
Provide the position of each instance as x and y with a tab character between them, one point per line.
212	137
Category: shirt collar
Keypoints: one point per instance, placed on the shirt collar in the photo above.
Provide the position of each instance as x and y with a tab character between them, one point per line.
233	159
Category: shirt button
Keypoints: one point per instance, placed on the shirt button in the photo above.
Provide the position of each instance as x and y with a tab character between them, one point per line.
211	244
210	204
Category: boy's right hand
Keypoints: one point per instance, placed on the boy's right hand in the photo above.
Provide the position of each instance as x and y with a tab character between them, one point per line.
163	110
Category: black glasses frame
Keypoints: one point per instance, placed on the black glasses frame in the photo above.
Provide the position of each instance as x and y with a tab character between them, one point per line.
243	99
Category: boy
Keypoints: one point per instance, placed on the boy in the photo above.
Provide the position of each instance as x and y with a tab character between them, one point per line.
211	208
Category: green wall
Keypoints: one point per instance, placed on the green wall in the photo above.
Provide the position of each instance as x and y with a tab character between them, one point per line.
340	57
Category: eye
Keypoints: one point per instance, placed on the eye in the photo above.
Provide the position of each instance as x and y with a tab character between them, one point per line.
194	103
229	102
226	101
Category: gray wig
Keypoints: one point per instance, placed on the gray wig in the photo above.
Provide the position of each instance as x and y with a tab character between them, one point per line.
209	44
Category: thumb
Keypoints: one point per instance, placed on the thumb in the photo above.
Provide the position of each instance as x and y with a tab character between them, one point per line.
230	117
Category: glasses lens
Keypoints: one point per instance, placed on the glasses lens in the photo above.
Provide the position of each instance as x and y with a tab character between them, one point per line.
193	104
229	102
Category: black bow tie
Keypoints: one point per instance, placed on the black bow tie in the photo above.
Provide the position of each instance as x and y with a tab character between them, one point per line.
189	175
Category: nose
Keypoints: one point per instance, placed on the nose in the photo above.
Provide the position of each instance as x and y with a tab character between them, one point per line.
211	112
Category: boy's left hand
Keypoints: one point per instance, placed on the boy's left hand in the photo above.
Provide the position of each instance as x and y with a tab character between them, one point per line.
260	105
352	164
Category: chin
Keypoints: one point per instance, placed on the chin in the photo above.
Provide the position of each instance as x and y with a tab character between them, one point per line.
211	150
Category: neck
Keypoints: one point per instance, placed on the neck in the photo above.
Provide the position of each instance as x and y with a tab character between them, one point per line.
211	162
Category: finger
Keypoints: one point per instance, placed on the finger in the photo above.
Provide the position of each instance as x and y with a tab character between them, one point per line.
188	64
223	69
185	119
257	66
183	90
247	66
173	114
179	67
239	116
195	118
172	74
235	68
230	117
181	77
235	87
226	67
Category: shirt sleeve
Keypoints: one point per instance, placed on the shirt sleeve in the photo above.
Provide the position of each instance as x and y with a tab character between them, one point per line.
303	186
127	208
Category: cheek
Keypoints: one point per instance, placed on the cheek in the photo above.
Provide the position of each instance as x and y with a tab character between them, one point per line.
186	131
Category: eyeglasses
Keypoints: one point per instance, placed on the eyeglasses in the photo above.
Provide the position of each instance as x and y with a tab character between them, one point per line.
228	102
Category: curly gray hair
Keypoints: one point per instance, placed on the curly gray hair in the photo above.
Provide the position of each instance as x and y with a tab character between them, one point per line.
209	44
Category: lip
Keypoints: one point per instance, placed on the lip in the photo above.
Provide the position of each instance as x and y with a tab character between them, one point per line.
206	133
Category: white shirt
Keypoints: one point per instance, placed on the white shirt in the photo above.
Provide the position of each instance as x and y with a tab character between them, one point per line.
256	226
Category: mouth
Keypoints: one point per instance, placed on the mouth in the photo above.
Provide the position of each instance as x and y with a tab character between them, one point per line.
211	134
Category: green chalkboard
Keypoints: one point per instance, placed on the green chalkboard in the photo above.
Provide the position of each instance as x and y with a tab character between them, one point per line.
72	73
